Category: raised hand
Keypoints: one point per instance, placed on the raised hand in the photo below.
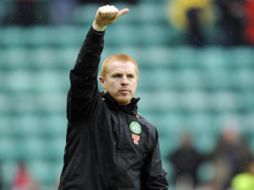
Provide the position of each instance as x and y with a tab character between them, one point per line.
105	15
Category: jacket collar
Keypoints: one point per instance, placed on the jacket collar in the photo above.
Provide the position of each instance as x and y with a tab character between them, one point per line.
130	108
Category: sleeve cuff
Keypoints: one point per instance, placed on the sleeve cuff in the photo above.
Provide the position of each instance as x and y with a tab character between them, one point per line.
98	28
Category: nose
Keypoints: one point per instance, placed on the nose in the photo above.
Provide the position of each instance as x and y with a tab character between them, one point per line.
124	80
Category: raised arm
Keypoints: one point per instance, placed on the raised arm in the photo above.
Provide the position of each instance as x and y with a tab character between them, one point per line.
83	94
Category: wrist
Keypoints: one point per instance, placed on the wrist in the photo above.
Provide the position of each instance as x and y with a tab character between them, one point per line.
98	28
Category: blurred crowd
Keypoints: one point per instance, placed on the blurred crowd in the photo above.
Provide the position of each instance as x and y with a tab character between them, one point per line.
234	19
31	12
22	180
231	163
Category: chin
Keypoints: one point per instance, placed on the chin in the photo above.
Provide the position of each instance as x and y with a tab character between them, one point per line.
123	101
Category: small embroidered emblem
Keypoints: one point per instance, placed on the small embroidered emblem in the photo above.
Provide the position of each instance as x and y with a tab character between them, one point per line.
135	127
135	138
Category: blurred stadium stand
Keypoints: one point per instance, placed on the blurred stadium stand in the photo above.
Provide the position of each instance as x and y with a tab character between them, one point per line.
180	87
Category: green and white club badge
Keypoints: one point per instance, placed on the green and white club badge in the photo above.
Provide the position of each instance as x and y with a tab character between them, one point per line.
135	127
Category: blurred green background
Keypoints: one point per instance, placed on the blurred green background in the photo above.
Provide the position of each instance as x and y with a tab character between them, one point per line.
181	87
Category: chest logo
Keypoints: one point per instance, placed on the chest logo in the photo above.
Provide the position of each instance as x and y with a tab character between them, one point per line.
135	138
135	127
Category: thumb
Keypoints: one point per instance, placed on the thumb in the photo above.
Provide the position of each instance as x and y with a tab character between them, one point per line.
123	11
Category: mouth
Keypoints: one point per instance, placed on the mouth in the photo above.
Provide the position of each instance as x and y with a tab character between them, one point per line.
124	91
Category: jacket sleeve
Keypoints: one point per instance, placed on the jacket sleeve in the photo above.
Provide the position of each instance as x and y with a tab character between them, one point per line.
153	176
83	92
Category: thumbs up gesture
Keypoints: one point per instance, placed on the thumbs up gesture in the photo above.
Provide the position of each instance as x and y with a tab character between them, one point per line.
106	15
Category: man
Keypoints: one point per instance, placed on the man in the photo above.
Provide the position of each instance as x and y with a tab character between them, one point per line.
186	160
231	22
109	145
245	179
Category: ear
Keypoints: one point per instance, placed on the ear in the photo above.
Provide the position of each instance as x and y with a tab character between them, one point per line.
102	81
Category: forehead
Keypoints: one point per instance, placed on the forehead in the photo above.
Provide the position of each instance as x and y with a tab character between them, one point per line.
121	67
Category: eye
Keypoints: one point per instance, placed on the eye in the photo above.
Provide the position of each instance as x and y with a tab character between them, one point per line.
130	76
117	75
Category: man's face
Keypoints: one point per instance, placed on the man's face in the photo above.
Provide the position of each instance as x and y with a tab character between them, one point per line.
120	81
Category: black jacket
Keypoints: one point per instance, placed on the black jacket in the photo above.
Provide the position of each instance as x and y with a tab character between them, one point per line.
102	152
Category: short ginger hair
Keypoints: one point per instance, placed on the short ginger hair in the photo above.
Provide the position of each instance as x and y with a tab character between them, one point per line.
117	57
